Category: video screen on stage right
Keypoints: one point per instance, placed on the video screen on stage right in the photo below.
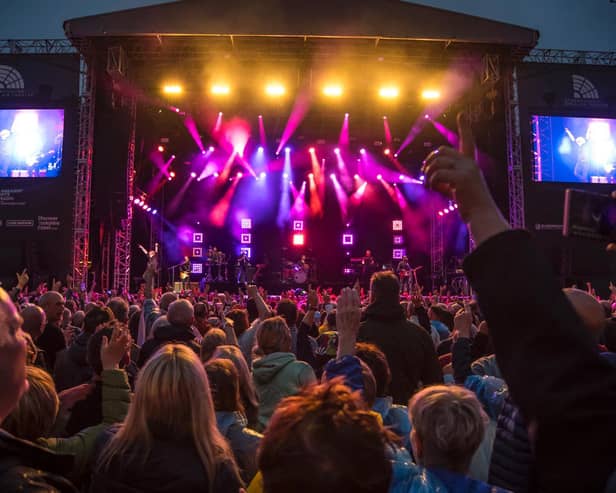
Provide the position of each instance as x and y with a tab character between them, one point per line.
574	149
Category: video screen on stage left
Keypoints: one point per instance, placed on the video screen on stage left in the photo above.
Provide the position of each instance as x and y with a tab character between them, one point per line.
574	149
31	143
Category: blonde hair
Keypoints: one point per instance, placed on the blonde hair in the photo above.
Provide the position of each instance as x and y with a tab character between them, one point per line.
36	411
273	336
172	400
449	422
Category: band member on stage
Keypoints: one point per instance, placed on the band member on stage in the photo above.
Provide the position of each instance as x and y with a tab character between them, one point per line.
404	274
185	273
242	269
369	267
152	258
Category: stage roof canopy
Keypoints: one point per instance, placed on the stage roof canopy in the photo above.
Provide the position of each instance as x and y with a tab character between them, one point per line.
233	20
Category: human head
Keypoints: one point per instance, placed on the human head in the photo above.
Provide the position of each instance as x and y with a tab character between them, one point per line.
439	312
96	318
368	253
247	389
165	300
588	309
287	309
119	307
448	425
66	317
78	318
377	362
36	411
172	401
384	287
325	433
224	384
52	304
211	340
201	315
34	320
181	312
273	336
240	320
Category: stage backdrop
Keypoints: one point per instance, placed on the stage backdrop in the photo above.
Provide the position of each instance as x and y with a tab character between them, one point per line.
570	91
38	139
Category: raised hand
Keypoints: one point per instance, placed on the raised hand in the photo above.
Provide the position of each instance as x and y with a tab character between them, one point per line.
22	279
348	313
463	321
69	397
313	299
112	351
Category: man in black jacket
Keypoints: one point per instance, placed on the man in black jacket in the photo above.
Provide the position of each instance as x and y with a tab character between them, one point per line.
408	347
181	316
52	339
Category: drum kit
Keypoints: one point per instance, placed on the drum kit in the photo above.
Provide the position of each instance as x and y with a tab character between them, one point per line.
216	266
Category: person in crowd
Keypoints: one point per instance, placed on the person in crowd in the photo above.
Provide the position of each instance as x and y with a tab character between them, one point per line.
180	315
408	348
34	416
230	417
256	304
201	323
278	373
72	367
442	320
23	465
119	308
394	416
287	309
248	394
77	319
169	440
34	322
448	425
325	439
212	340
240	321
52	339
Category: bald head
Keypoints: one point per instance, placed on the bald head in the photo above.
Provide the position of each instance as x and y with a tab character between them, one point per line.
34	320
181	312
588	309
52	304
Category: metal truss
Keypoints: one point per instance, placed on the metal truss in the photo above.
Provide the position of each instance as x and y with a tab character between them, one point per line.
515	177
105	261
83	172
36	46
123	235
437	251
572	57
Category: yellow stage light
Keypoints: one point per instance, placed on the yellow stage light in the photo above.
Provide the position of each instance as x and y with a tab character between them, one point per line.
389	92
173	89
275	90
220	89
431	94
333	90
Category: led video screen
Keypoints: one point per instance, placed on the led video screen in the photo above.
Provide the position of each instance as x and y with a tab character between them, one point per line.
31	143
574	149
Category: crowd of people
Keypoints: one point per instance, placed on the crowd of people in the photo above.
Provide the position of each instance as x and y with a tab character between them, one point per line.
161	392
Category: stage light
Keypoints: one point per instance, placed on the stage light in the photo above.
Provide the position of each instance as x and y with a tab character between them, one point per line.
220	89
260	149
396	154
311	150
379	177
263	174
396	225
427	117
356	176
154	212
336	150
172	156
275	90
362	151
287	150
347	239
177	110
193	174
172	174
298	225
389	92
203	152
455	206
172	89
440	213
161	149
211	149
144	206
401	177
332	176
310	175
246	238
387	152
215	174
136	201
239	174
148	209
451	208
285	175
446	211
246	223
333	91
430	94
298	239
422	178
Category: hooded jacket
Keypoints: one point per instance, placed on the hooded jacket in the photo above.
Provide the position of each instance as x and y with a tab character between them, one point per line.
72	367
276	376
408	348
244	442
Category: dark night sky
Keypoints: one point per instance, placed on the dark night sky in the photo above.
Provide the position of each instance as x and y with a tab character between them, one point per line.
568	24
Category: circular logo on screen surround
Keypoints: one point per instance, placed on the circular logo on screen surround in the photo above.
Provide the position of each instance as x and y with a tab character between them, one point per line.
10	78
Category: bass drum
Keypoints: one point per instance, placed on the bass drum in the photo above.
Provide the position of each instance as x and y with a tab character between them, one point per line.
300	277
